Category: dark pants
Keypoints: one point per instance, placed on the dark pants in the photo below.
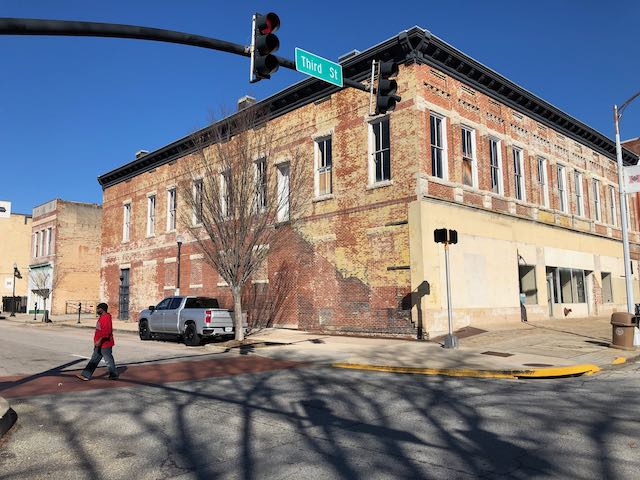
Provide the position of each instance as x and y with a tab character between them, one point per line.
98	353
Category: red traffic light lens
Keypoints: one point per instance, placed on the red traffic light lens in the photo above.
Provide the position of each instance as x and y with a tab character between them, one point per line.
268	23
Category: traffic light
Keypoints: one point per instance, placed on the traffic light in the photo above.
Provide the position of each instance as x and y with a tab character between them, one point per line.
386	97
263	44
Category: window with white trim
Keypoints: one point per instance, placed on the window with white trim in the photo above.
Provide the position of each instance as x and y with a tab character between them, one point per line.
151	215
579	194
495	162
469	165
324	165
543	181
49	240
518	172
380	151
562	189
261	183
41	239
172	204
226	194
438	146
597	207
126	222
283	192
613	217
197	204
35	245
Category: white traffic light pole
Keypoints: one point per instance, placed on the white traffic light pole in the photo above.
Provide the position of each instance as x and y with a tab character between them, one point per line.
617	114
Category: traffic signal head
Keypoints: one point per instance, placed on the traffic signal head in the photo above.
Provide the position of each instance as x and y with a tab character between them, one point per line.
386	97
263	44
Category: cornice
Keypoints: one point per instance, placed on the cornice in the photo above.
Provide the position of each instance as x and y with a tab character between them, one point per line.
415	45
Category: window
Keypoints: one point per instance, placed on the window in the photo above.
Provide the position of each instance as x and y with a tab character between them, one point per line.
164	304
126	222
283	192
597	208
495	160
175	303
380	157
172	203
226	194
261	183
527	278
562	191
612	206
201	302
543	182
518	172
49	240
469	156
37	245
569	285
607	291
41	242
197	204
579	194
438	147
151	215
324	162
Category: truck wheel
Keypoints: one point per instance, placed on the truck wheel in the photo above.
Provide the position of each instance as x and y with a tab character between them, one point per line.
191	337
143	330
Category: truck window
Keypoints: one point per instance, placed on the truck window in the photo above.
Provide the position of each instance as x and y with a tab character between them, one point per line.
164	304
175	303
202	302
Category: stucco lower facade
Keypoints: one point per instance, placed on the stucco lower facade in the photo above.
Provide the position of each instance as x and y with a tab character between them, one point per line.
493	256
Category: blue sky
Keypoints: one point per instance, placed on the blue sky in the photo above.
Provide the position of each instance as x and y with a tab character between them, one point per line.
74	108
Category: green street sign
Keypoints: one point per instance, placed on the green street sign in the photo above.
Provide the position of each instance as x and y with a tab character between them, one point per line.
318	67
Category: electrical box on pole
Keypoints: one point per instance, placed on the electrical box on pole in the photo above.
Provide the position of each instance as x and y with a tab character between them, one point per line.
386	97
263	44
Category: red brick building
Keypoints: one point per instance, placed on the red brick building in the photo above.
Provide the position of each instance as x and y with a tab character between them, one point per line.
530	189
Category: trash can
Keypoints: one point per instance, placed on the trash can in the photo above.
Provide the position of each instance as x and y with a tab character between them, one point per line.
623	325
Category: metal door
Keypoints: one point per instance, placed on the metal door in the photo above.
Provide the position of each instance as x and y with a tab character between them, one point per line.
123	303
170	316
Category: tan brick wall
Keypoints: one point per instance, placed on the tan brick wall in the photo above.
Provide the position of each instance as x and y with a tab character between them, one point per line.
15	233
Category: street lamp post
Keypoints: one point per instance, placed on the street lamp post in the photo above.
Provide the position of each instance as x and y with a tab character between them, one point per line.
617	114
13	298
179	240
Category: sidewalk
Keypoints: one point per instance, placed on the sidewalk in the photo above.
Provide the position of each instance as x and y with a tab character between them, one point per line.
543	349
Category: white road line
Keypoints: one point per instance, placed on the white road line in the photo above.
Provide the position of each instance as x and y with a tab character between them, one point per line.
81	356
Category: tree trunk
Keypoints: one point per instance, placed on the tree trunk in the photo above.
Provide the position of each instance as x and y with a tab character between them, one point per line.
237	312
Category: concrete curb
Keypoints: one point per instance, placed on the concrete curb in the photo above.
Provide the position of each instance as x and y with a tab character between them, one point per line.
555	372
8	418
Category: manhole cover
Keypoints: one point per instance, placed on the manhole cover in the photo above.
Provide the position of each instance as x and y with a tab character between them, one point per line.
537	365
498	354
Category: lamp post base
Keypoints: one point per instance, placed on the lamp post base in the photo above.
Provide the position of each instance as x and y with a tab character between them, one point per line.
450	341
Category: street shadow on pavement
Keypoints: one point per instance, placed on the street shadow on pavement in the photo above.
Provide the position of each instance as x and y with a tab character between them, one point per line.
315	423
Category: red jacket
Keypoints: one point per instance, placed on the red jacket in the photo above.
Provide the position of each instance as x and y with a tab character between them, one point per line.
104	329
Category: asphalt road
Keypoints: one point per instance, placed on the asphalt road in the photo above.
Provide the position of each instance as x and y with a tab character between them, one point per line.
318	422
30	349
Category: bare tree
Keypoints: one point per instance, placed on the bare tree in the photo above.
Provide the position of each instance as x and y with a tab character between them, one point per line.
44	282
244	192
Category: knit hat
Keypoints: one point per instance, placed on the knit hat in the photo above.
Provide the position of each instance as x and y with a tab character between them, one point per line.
103	306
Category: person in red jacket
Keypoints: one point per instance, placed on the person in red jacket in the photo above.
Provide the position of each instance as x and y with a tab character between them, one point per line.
102	346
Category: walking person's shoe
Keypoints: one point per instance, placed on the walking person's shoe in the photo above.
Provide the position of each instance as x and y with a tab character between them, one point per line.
82	377
113	377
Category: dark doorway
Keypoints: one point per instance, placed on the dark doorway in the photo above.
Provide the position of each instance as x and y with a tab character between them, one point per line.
123	303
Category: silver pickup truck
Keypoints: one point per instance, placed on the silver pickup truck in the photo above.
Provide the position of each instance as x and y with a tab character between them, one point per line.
192	318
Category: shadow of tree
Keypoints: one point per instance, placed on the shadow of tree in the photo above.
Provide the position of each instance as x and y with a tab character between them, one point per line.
323	423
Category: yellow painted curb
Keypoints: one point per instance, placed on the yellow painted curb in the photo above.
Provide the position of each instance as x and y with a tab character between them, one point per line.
618	361
554	372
